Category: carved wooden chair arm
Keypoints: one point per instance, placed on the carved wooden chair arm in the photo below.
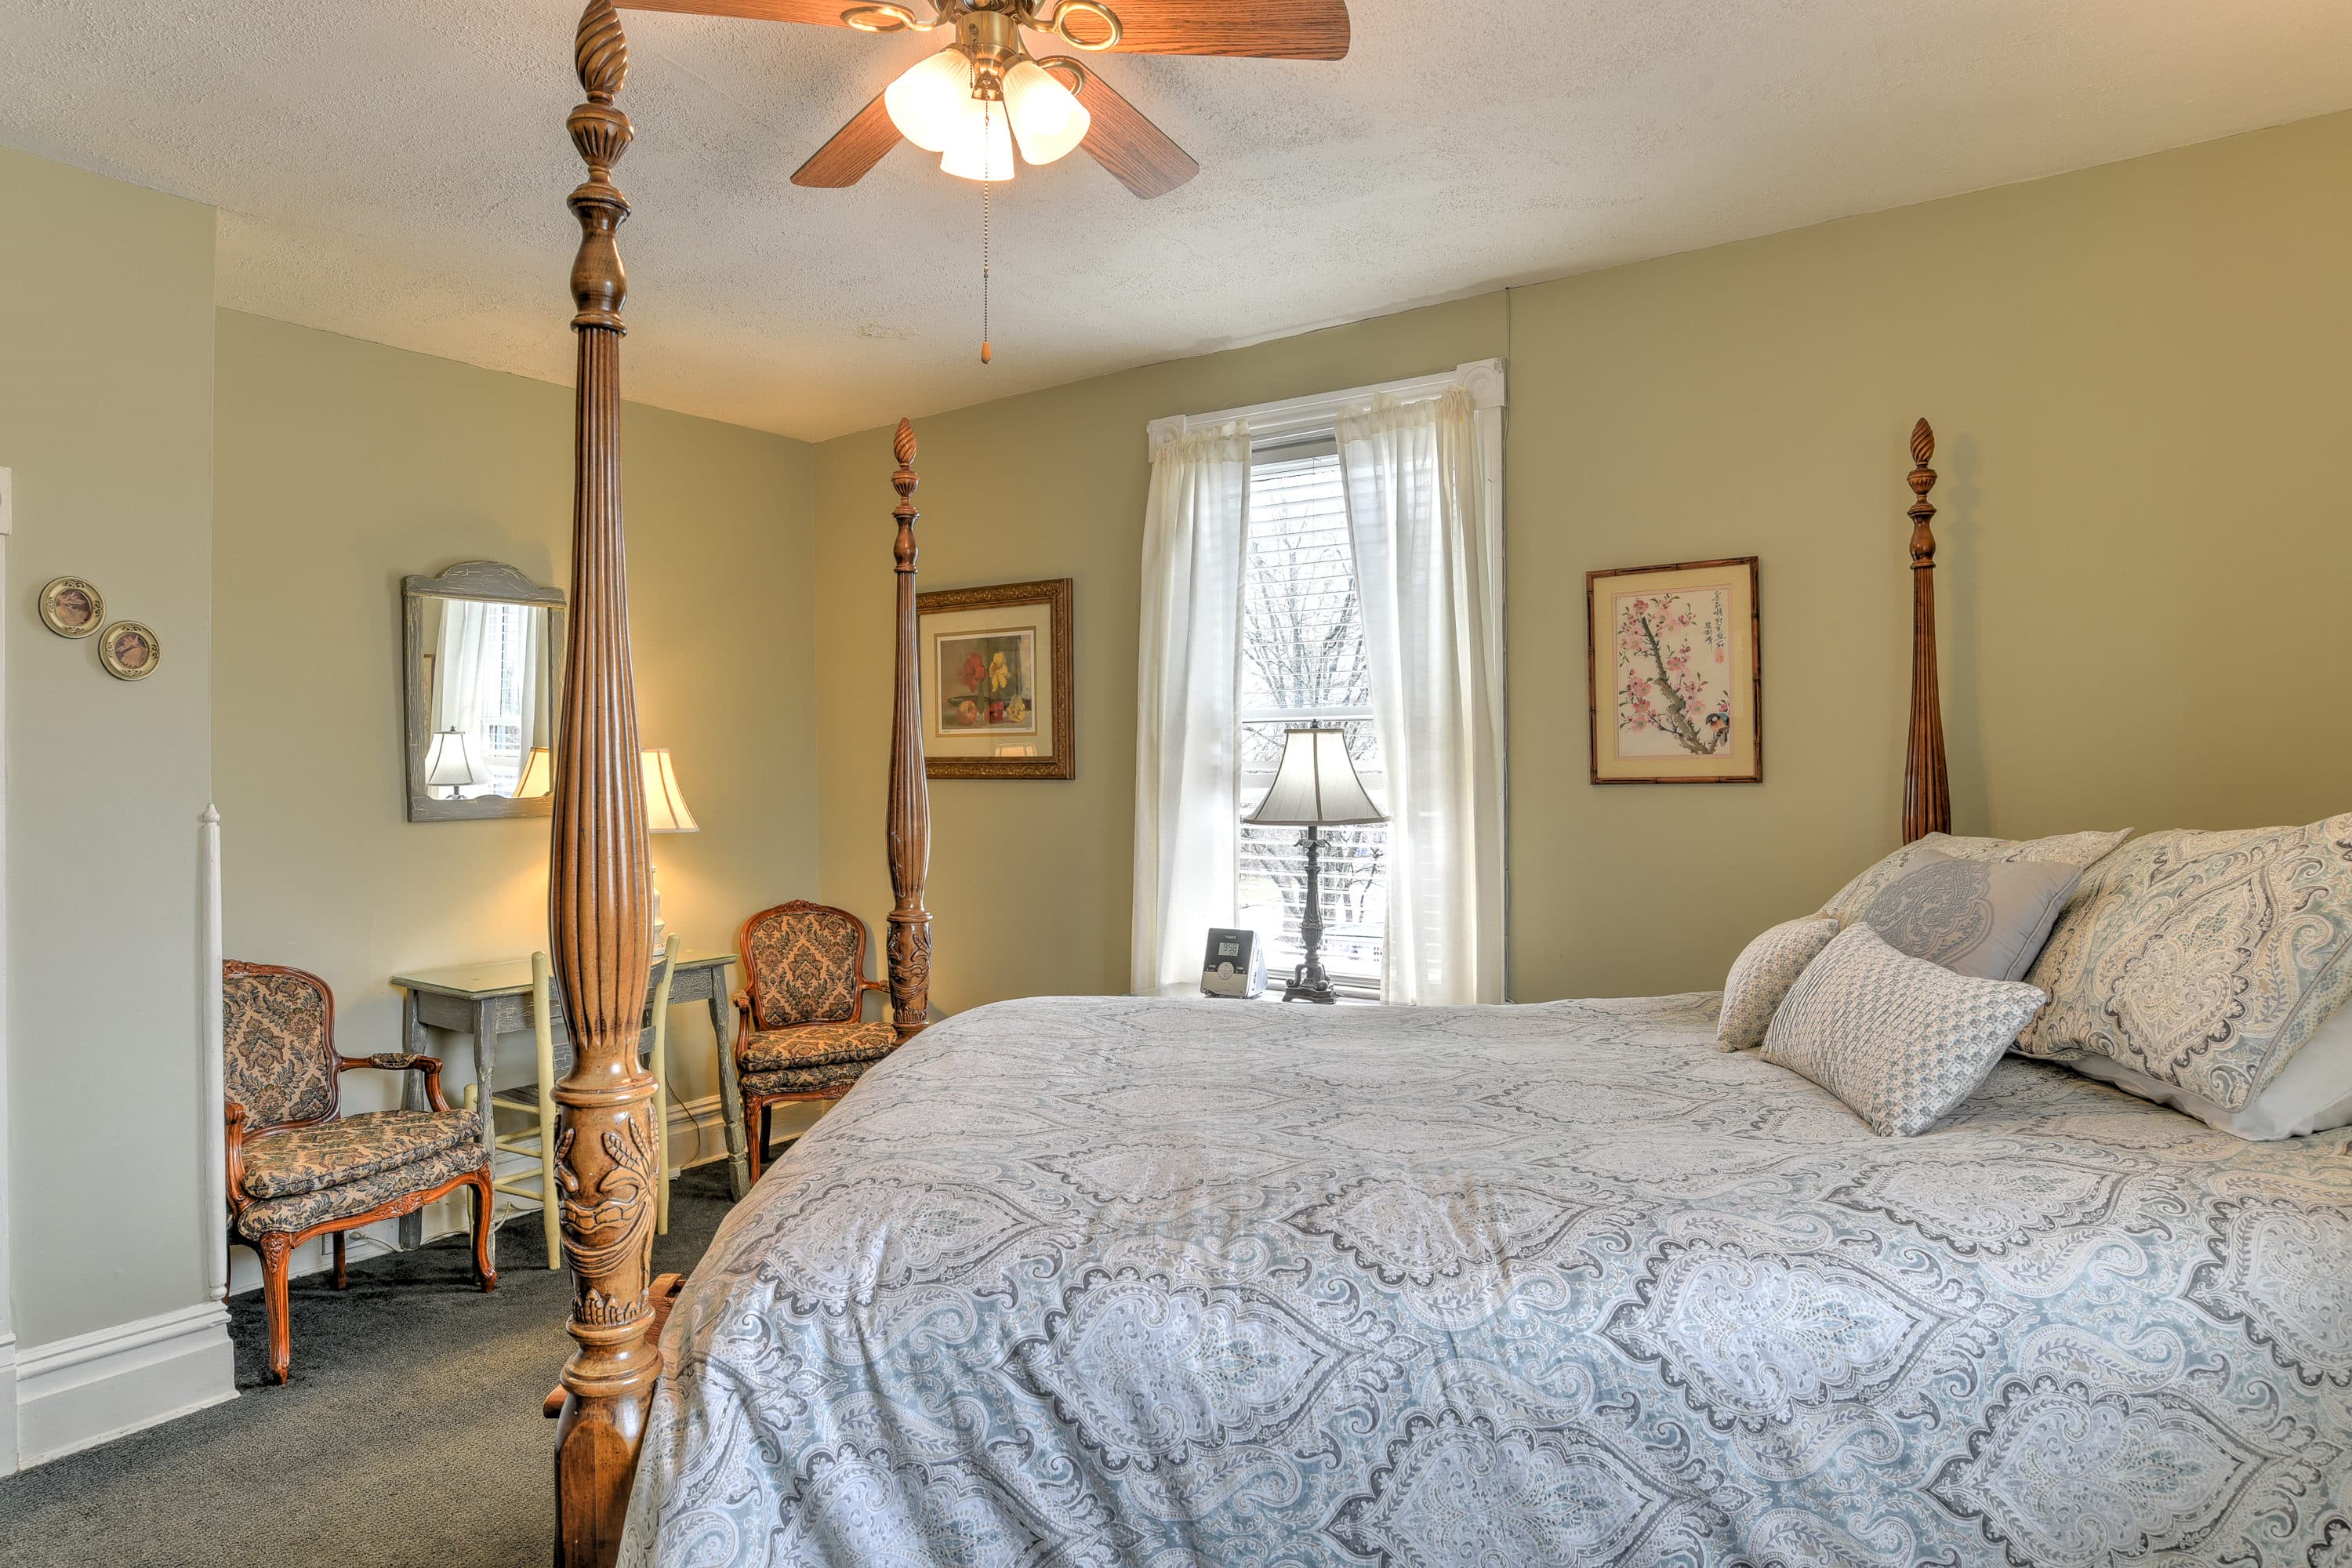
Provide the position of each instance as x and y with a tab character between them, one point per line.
403	1061
234	1113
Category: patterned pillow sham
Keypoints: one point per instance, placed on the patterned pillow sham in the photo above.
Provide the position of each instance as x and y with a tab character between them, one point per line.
1760	977
2203	959
1900	1040
2080	850
1985	918
2312	1093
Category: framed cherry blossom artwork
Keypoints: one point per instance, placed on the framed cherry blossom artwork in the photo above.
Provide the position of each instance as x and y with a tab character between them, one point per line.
1676	662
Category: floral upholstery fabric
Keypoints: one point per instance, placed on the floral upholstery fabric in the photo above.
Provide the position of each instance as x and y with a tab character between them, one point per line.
2203	959
304	1159
1901	1040
278	1058
803	968
1760	978
1105	1282
303	1210
817	1045
822	1079
2080	850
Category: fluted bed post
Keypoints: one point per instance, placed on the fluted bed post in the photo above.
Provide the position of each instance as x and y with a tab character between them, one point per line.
1927	787
598	931
910	794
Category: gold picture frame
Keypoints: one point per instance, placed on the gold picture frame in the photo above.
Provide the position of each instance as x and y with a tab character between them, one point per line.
129	650
995	673
72	606
1674	656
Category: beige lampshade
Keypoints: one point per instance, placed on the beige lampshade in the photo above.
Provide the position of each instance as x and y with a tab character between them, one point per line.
1316	786
666	810
538	776
446	762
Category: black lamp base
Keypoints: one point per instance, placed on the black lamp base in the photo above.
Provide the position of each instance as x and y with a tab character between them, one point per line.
1308	981
1302	988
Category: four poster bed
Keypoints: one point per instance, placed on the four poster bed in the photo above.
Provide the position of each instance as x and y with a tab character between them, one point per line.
1126	1280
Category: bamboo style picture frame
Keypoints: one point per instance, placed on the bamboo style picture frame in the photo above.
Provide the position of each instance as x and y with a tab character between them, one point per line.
1674	656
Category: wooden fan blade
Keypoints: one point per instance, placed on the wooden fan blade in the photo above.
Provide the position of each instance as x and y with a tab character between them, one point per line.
1137	152
855	149
1269	29
824	13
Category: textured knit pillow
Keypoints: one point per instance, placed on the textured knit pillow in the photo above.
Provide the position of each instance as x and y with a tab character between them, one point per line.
1985	918
1761	976
1901	1040
2081	850
2203	959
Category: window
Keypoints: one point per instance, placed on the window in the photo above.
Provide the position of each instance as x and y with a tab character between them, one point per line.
1302	663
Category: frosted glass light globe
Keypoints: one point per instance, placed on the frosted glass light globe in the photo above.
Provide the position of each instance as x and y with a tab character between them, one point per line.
979	130
928	100
1049	121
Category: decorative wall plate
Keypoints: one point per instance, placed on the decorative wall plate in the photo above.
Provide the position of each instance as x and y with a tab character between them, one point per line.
71	607
129	651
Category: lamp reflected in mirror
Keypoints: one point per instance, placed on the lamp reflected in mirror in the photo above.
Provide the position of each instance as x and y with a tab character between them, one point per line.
538	776
448	766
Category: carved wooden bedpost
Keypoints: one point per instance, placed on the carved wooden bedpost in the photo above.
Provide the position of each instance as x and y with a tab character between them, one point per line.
911	792
1926	788
598	927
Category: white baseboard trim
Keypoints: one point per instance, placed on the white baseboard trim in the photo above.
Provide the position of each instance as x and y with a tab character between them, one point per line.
7	1403
78	1392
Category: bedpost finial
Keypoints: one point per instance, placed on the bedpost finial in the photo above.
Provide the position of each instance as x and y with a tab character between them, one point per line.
602	51
1923	510
904	444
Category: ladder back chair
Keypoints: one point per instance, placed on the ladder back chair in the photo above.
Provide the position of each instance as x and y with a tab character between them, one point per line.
536	1139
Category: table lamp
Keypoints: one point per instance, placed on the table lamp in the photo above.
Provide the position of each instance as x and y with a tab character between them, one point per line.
666	812
447	764
1315	787
538	776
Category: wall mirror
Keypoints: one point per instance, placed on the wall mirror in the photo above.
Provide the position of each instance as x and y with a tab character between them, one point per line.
483	647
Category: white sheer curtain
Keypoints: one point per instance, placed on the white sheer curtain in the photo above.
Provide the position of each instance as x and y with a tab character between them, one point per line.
462	674
1428	536
1187	834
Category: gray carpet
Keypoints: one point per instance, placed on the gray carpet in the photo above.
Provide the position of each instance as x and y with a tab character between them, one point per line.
410	1435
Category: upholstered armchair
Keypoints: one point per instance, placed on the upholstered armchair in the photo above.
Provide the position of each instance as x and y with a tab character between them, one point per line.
799	1031
297	1167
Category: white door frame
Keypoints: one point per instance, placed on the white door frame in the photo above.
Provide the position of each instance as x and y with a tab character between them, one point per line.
7	1276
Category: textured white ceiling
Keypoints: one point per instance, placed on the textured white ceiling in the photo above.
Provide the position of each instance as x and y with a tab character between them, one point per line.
397	172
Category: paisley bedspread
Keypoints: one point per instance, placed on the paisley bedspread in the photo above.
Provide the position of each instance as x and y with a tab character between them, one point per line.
1096	1281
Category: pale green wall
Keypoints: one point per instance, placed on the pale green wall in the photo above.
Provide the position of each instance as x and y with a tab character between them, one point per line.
2136	371
106	416
1030	878
345	466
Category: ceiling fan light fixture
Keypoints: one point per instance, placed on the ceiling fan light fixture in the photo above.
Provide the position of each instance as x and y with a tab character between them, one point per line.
982	146
1047	119
928	101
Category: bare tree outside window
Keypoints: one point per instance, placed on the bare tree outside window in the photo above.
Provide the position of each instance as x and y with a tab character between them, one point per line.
1302	663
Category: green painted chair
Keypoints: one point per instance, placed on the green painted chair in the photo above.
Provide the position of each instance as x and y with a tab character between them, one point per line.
536	1139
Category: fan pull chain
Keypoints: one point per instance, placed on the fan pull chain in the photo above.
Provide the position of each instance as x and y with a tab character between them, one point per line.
987	354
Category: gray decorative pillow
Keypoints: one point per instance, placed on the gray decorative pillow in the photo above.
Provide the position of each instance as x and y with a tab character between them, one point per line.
1761	976
1985	918
2081	850
2203	959
1901	1040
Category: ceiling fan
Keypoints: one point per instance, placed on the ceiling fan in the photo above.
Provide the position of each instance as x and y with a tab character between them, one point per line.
984	94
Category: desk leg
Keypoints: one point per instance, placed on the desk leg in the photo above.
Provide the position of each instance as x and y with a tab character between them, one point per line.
486	1058
730	1091
411	1098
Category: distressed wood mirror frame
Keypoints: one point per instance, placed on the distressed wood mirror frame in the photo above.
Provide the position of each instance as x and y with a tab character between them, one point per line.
493	582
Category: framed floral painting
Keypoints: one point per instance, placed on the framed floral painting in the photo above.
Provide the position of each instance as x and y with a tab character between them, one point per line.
996	667
1677	662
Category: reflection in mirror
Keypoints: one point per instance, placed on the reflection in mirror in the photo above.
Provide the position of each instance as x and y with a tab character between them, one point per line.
491	698
485	654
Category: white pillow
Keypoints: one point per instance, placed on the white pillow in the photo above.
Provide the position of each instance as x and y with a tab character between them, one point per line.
2312	1093
1901	1040
1760	976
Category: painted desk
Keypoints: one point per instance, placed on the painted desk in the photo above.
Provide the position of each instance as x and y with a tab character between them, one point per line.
487	1000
